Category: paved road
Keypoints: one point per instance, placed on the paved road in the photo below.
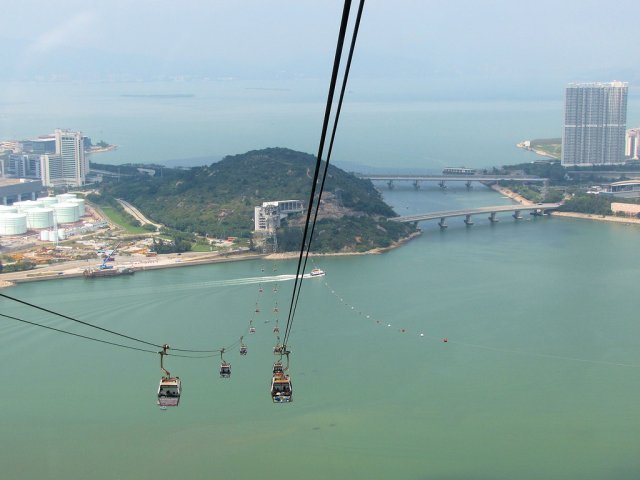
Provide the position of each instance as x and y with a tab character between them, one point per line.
135	213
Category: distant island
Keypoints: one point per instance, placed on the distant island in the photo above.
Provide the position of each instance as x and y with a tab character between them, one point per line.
218	200
158	95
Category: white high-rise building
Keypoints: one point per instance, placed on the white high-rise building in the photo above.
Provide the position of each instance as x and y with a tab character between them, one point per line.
595	118
68	166
632	144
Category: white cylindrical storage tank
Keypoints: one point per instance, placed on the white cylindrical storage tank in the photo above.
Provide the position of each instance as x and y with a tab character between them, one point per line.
27	205
63	197
8	209
44	235
80	203
66	212
48	201
39	217
61	234
13	223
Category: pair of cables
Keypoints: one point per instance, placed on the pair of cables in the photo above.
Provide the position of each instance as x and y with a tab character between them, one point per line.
314	201
210	353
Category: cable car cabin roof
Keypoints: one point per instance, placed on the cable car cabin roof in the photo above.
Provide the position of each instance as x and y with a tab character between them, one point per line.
170	382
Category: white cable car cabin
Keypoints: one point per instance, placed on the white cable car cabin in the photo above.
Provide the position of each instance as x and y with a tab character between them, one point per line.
243	350
281	388
225	370
169	391
252	329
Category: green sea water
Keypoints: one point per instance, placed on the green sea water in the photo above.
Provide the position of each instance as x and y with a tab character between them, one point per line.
540	377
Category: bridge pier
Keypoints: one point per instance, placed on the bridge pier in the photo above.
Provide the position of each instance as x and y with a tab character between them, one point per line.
492	218
517	215
468	184
443	223
416	185
442	184
390	184
467	221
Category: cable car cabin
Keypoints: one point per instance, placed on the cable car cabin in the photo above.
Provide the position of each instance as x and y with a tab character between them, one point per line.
278	350
281	388
252	329
243	350
169	391
225	370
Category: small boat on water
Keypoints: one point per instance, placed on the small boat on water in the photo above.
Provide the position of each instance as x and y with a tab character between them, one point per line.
316	272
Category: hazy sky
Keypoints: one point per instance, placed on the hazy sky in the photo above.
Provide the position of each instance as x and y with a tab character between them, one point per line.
492	47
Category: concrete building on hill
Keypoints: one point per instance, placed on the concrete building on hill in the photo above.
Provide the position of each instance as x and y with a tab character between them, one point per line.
595	117
268	216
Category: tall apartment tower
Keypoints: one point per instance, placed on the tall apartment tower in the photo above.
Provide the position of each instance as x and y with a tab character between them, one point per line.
595	119
68	166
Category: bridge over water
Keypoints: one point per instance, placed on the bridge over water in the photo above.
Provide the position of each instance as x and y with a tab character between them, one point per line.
442	179
538	209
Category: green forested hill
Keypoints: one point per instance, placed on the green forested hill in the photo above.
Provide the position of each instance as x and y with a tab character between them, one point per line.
219	199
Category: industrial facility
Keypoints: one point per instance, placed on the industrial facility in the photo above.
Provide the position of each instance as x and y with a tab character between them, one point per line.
43	215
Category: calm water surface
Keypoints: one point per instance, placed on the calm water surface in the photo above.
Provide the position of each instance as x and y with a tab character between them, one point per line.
539	378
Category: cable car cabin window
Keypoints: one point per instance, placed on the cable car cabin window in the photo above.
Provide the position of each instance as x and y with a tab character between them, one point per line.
168	392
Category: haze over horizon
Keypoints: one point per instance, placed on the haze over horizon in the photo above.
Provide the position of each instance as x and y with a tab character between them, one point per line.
407	50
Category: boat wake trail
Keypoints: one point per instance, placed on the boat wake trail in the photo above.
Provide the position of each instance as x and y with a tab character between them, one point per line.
236	281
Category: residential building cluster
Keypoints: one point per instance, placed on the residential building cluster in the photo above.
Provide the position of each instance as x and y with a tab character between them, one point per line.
56	160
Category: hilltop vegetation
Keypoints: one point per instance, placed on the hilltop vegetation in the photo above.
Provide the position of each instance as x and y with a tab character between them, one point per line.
219	199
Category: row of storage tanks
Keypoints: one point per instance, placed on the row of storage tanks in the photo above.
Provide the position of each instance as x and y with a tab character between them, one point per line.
39	214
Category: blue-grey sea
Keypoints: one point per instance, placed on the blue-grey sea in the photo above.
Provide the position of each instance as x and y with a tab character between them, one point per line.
538	379
195	123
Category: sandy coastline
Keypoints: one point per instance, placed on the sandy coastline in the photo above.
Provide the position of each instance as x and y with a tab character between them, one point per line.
109	148
542	153
374	251
512	195
599	218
